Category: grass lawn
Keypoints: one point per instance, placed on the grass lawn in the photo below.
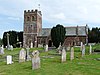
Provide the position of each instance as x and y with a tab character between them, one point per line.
51	64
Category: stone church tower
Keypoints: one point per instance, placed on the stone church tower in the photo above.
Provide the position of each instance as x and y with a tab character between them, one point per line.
32	27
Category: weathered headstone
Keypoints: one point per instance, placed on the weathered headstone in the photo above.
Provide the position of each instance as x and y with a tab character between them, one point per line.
72	53
90	51
22	55
35	60
40	45
63	56
1	50
68	48
59	48
46	48
83	50
9	59
28	58
11	47
35	44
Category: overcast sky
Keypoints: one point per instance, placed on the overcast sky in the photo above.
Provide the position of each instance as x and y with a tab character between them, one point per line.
65	12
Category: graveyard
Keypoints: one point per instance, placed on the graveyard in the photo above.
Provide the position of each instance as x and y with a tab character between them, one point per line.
50	62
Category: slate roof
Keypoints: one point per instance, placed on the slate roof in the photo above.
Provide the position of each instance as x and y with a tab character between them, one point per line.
77	30
70	31
45	32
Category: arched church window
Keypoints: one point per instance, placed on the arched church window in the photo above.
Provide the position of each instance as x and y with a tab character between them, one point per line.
33	18
28	18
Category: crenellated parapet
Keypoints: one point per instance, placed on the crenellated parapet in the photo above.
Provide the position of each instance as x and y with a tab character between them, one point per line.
32	11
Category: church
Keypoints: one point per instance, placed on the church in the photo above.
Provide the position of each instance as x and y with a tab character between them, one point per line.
35	36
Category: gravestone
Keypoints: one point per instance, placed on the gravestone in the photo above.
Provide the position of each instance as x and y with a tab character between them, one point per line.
22	55
40	45
59	48
31	44
28	58
63	56
11	47
2	46
35	60
9	59
68	48
1	50
72	53
35	44
46	48
83	50
90	51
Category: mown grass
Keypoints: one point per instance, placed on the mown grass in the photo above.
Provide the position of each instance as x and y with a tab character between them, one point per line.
51	64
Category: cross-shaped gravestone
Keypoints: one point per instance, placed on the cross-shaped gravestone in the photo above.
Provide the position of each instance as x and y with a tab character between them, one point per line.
35	60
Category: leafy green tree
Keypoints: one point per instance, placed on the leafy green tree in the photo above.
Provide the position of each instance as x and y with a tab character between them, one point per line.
58	35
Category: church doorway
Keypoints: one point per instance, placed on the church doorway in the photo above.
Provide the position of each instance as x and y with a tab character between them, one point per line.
50	43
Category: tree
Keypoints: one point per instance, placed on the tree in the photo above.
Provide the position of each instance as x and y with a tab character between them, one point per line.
12	38
1	41
58	35
94	35
19	38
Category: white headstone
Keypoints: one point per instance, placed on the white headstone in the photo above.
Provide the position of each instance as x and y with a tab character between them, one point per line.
31	45
83	51
72	53
22	55
9	59
46	48
90	49
63	57
35	60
